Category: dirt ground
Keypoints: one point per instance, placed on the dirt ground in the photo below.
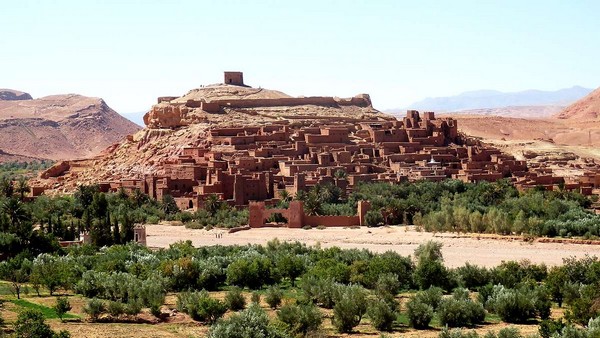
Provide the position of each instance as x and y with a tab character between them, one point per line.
457	249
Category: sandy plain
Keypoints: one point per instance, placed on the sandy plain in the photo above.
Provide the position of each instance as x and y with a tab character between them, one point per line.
457	249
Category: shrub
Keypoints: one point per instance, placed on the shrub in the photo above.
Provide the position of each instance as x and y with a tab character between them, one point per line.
419	313
300	319
382	314
431	296
321	291
374	218
62	306
235	300
549	328
518	305
115	309
388	283
349	308
255	298
458	311
152	219
200	306
251	322
30	323
458	333
94	308
133	307
273	296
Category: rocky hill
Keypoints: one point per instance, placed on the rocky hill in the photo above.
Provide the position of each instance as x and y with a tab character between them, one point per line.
58	127
178	122
588	108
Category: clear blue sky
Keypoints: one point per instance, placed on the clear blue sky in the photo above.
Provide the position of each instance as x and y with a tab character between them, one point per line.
130	52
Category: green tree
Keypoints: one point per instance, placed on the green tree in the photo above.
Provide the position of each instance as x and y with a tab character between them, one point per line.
22	187
169	205
349	308
17	271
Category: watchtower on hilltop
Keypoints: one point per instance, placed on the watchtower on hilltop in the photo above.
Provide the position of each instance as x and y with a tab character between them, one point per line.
234	78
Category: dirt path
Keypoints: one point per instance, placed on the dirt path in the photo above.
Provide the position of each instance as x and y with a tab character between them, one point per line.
457	250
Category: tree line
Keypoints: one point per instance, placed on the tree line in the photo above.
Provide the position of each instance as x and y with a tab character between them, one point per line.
120	280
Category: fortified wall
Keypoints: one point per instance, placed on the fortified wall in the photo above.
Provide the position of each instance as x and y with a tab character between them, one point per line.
171	113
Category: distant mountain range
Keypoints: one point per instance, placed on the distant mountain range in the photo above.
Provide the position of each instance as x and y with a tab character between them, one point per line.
495	99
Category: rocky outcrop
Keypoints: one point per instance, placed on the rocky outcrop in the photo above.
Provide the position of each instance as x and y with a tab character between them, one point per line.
13	95
56	170
201	105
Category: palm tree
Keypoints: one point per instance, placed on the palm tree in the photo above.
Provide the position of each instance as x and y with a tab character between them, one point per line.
22	187
6	187
17	215
212	204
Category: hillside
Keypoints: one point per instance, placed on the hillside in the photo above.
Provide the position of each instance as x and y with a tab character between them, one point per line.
588	108
495	99
59	127
178	122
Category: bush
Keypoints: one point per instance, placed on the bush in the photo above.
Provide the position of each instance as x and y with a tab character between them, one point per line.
382	314
200	306
373	218
62	306
349	308
519	305
133	307
549	328
320	291
273	296
252	322
419	313
30	323
460	311
431	296
235	300
300	319
255	298
388	283
94	308
115	309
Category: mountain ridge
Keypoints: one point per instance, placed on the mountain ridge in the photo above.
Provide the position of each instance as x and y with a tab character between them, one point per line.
482	99
58	127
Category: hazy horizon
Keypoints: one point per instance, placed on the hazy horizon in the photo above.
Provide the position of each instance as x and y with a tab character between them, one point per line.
130	52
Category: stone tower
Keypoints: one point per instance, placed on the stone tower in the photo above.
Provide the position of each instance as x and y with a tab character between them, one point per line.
234	78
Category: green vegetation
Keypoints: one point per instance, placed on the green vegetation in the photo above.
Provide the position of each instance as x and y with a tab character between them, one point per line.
31	323
463	207
14	170
120	278
47	312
